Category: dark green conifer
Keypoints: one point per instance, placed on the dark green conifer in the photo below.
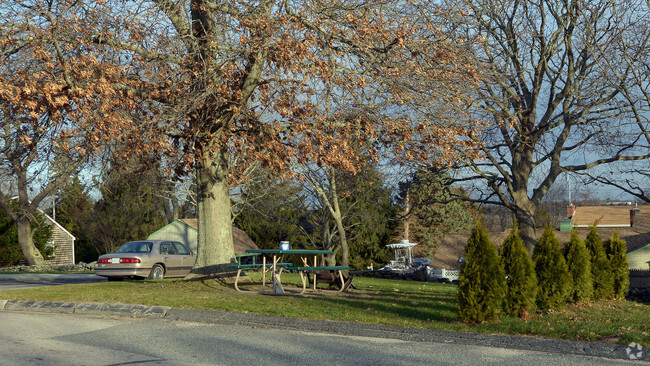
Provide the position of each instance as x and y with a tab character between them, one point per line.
521	281
481	281
601	271
577	259
553	278
616	249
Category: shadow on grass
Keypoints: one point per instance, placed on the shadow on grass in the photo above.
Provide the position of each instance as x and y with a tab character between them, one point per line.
380	300
417	307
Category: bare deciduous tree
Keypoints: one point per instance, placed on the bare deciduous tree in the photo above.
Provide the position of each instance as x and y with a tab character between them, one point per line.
548	102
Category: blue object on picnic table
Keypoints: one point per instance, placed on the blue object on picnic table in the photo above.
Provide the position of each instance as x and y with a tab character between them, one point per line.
284	245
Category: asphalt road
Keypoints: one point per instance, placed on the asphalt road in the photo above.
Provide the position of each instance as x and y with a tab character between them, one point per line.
280	340
62	339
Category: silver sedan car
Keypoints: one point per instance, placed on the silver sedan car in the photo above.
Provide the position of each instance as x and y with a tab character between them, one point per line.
153	259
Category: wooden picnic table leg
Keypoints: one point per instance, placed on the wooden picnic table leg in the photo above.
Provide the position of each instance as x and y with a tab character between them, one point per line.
277	285
303	279
342	280
274	264
237	280
315	274
263	271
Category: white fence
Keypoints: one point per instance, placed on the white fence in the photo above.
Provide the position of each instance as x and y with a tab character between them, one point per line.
450	275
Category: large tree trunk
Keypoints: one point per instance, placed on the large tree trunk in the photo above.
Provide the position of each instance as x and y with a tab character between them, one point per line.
335	210
345	250
26	240
524	208
524	211
215	242
23	222
527	229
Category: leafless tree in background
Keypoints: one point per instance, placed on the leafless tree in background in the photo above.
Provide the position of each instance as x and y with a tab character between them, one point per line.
555	97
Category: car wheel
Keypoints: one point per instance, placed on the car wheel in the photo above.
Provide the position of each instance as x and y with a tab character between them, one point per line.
157	272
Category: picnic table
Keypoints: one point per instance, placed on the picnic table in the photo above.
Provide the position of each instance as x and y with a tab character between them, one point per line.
276	266
249	261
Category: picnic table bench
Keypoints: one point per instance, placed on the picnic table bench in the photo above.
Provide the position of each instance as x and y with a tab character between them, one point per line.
336	275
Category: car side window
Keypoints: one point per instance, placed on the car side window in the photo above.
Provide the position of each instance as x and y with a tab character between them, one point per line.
167	248
181	249
145	248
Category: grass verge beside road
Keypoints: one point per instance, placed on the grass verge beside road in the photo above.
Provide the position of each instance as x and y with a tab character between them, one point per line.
375	301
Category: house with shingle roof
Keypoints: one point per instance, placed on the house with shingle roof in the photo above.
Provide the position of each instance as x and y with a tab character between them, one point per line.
603	216
632	225
186	232
62	241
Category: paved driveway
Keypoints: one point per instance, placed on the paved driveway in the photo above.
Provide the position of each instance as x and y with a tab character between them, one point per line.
25	280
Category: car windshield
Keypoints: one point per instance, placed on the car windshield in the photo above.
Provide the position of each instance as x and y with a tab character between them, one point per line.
135	247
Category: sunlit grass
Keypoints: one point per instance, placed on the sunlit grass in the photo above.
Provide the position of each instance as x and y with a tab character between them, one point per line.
375	301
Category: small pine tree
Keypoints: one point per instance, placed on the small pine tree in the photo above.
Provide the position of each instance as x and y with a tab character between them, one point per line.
601	271
553	278
481	280
616	249
521	281
577	259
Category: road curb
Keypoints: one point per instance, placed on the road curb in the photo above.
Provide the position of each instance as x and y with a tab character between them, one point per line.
86	308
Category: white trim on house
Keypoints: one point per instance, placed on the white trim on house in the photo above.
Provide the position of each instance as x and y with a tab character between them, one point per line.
51	219
58	225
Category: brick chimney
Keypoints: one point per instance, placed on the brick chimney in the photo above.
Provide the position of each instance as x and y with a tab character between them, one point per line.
570	211
633	213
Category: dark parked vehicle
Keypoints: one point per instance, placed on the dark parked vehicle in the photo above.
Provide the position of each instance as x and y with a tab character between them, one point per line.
153	259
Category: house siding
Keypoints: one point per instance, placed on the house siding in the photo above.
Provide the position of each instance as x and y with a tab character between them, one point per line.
63	248
63	243
178	231
639	259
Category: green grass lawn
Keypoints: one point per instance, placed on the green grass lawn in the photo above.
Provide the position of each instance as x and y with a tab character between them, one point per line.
376	301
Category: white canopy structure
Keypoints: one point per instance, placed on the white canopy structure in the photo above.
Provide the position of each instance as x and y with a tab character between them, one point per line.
403	254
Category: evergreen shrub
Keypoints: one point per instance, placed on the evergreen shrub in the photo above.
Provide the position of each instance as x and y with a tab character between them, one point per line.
601	270
616	250
481	281
521	281
553	278
577	259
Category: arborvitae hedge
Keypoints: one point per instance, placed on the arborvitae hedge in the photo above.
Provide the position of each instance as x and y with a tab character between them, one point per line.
521	281
481	281
577	259
601	270
616	249
553	278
